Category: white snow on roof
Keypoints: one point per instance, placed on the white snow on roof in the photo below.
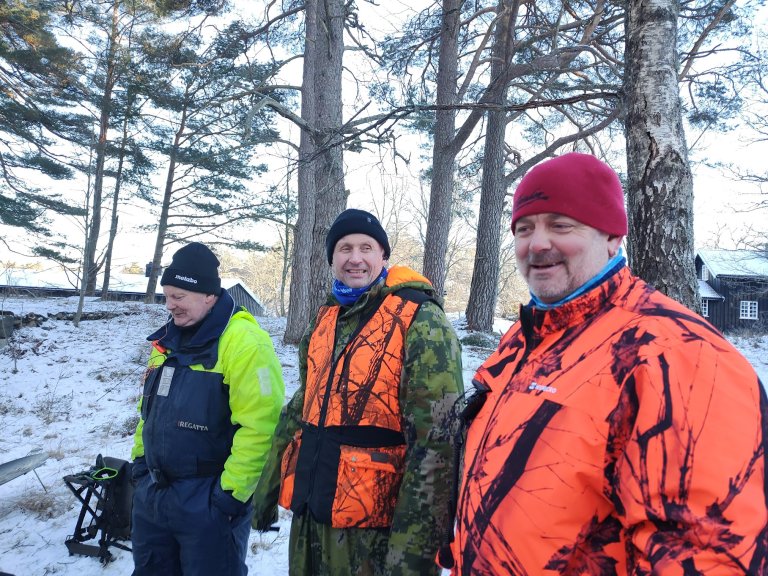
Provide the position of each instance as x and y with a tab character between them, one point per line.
57	277
51	277
706	291
735	262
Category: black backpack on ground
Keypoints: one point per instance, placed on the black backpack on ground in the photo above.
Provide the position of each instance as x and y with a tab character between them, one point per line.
106	494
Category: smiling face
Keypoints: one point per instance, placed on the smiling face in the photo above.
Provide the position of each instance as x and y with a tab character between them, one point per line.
557	254
187	308
357	260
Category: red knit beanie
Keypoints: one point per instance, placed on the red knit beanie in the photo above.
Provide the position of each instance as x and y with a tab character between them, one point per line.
575	185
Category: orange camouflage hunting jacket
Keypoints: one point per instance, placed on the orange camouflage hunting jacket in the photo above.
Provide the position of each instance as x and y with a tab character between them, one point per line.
621	434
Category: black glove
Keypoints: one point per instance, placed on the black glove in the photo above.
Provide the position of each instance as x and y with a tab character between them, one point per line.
138	470
265	520
226	503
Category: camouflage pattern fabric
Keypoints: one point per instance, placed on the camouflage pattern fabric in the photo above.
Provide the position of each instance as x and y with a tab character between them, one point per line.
432	382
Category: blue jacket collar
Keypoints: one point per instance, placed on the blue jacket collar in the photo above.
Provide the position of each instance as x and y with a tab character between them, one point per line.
202	348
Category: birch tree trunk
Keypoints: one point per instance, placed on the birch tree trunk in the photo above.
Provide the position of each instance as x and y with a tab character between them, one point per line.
660	184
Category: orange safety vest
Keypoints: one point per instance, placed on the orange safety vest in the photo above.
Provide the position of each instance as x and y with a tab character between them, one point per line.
346	462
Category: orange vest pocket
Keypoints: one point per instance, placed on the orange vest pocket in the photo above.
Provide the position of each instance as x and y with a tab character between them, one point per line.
367	486
288	471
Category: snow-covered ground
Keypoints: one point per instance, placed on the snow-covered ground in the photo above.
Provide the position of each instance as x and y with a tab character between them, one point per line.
72	392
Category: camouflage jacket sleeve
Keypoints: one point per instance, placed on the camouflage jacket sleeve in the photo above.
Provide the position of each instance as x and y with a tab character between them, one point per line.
434	381
268	489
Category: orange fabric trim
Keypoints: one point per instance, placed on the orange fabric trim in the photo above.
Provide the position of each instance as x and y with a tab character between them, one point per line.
397	275
159	347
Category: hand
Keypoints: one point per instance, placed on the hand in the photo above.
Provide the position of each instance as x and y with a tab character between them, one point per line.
265	521
138	470
226	503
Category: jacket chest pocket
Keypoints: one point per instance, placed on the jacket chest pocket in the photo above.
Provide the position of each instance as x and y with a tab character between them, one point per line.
200	397
367	486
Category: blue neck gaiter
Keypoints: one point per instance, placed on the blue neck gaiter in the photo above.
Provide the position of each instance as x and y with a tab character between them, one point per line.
611	267
348	296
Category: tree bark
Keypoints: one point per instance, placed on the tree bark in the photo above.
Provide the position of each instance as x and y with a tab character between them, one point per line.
165	210
481	306
115	204
90	265
321	178
443	150
660	184
298	308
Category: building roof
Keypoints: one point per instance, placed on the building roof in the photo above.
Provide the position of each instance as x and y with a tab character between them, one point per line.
706	291
57	277
736	263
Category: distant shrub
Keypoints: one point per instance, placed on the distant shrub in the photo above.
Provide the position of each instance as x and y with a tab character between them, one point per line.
128	426
480	340
51	407
9	407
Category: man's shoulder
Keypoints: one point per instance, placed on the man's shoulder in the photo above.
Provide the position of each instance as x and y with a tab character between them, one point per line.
416	295
243	326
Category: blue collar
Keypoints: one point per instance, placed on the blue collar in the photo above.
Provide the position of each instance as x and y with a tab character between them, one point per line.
348	296
202	347
611	267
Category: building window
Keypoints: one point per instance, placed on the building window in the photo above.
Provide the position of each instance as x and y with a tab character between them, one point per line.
705	307
704	273
748	310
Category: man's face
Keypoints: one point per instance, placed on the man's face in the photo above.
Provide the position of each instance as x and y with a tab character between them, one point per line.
557	254
187	308
357	260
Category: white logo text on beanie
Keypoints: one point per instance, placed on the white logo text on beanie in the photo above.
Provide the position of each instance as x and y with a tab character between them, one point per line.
186	279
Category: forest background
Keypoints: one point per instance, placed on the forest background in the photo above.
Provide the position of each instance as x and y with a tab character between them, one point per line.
128	128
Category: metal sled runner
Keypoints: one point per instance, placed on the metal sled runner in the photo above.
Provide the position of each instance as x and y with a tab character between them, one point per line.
105	493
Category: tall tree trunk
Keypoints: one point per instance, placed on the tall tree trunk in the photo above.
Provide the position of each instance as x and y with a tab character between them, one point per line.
321	174
115	205
443	150
287	243
299	305
660	184
330	193
485	274
91	266
165	209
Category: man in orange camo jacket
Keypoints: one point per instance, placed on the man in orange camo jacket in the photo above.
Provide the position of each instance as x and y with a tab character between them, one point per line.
620	432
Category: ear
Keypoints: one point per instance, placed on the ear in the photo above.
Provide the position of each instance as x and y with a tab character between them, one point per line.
614	243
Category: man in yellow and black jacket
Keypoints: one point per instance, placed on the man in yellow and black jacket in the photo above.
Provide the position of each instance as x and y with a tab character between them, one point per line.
212	396
362	454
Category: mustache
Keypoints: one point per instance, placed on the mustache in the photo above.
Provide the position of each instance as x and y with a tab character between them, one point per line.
543	259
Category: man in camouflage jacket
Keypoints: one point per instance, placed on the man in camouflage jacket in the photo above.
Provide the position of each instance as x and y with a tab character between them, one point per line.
362	452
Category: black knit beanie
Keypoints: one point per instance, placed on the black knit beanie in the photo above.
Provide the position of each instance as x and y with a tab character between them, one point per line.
195	268
353	221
